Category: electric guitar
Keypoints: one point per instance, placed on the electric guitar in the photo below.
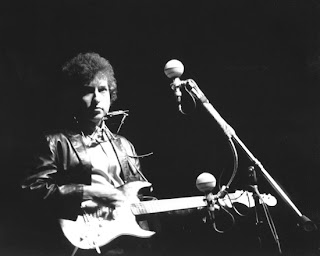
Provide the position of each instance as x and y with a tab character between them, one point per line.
92	230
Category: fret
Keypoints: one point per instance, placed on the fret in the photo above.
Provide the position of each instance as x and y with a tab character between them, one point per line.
165	205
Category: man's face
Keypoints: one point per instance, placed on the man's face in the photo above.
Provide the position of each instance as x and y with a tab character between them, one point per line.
96	98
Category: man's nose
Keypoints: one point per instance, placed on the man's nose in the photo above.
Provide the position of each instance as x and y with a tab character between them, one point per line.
96	94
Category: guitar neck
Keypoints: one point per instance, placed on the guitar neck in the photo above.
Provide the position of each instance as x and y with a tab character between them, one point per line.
165	205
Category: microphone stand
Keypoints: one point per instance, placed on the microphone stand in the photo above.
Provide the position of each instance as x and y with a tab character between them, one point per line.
193	88
258	207
255	191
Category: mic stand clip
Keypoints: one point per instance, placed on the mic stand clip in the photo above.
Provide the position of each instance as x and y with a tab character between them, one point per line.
213	202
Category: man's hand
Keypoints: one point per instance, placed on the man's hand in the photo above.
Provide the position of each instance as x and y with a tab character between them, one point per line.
104	194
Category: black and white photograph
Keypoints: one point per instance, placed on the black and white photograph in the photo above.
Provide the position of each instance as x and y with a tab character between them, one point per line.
160	128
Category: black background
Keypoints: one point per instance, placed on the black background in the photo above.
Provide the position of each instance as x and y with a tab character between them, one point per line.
256	61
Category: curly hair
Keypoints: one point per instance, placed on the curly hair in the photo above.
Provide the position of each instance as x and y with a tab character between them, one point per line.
85	66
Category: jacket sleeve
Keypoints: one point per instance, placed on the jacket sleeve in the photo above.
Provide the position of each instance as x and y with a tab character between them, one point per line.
44	181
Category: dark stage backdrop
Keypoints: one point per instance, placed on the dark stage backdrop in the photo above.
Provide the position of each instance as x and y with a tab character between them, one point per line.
257	63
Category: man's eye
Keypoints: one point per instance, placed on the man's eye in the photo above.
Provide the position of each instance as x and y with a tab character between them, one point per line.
104	90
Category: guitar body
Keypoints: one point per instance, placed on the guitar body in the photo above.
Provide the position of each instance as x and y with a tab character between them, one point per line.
93	230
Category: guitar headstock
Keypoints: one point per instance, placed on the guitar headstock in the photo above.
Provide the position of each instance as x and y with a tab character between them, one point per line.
246	198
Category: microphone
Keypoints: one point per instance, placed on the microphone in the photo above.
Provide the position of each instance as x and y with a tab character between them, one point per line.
174	69
206	182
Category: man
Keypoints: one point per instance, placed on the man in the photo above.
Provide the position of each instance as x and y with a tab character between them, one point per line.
79	169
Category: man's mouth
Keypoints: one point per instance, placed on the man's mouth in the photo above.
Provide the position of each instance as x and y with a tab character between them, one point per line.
98	109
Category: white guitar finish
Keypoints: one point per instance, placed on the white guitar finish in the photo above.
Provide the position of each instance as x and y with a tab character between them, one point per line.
95	230
98	228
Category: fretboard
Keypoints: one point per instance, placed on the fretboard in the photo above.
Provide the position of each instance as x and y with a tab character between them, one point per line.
165	205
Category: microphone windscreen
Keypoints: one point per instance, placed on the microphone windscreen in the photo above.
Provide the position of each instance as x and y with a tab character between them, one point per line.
206	182
173	68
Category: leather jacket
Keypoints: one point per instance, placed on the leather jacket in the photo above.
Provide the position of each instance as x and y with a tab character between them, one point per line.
62	162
